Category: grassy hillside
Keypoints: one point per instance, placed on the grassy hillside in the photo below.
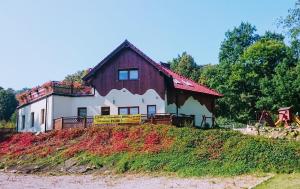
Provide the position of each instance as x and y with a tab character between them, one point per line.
162	148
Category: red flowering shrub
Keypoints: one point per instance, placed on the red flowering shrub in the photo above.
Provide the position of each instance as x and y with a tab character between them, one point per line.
119	135
152	139
152	142
136	134
16	143
95	140
69	134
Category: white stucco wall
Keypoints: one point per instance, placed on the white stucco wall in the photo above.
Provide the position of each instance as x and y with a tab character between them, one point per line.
36	107
64	106
67	106
192	107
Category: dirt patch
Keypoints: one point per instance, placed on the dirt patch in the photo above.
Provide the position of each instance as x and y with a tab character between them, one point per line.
19	181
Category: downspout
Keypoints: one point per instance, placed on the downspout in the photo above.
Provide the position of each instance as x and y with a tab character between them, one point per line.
46	113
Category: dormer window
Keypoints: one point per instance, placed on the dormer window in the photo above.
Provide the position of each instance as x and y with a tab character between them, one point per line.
128	74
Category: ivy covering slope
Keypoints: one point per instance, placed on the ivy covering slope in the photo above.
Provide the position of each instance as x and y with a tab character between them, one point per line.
148	148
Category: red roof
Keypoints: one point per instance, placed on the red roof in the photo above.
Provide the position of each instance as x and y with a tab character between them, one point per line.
179	81
183	83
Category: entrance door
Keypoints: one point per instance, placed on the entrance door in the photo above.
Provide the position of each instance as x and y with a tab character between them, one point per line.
105	110
151	110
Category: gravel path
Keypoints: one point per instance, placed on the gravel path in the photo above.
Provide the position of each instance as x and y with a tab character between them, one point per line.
16	181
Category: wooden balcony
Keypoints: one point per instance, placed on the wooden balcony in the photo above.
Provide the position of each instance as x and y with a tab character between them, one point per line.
54	87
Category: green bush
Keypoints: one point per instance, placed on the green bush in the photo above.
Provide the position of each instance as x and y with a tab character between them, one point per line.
7	124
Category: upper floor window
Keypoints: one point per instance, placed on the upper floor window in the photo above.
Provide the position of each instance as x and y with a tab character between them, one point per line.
133	74
130	74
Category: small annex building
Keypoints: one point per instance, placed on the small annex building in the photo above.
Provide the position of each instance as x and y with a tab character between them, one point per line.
125	82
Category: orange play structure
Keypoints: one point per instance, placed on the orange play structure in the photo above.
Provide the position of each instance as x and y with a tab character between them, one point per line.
285	117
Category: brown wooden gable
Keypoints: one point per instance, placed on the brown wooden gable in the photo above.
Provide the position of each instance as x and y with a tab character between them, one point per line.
104	77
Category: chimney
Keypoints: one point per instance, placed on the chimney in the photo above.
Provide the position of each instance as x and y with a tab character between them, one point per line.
166	65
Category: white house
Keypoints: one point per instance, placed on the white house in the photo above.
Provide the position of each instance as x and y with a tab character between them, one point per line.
125	82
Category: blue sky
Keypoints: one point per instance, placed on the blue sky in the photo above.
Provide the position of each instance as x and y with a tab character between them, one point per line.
46	40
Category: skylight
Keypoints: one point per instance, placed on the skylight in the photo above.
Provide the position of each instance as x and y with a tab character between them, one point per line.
176	81
187	83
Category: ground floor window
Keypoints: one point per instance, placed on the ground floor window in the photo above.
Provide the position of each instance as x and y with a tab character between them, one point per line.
129	110
42	116
23	121
32	119
105	110
151	110
82	112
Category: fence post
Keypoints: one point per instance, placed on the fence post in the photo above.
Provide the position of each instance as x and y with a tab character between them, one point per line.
84	122
62	122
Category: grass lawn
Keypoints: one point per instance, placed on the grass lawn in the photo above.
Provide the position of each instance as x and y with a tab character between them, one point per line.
282	181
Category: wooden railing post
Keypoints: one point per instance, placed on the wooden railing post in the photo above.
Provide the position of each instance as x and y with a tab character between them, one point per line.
84	122
62	122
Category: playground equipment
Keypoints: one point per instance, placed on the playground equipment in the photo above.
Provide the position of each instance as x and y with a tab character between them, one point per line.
285	117
266	116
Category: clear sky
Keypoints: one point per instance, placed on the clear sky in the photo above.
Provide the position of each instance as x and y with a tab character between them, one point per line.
48	39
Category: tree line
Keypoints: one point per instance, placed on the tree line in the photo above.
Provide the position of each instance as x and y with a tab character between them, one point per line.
255	72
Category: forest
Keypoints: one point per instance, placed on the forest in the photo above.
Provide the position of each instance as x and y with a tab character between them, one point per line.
255	72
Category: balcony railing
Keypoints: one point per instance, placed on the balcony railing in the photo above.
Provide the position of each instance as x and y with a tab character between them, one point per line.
83	122
64	88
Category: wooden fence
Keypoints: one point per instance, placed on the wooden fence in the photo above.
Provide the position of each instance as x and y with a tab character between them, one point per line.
72	122
84	122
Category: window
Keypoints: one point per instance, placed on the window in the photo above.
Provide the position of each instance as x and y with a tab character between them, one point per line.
123	111
32	119
151	110
23	121
82	112
123	74
105	110
134	110
42	116
129	110
130	74
133	74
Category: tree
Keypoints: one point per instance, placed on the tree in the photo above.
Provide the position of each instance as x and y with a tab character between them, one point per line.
248	64
185	65
283	89
76	77
236	41
8	103
264	55
272	35
292	21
